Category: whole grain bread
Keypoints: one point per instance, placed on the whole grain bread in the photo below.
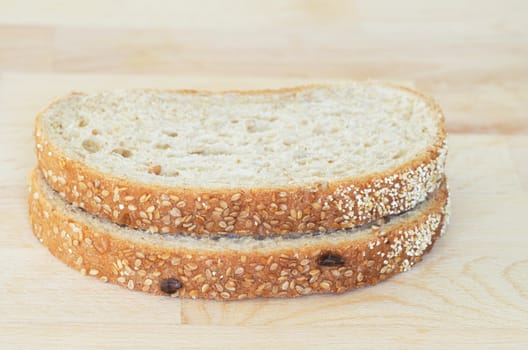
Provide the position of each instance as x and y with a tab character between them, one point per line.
235	268
306	159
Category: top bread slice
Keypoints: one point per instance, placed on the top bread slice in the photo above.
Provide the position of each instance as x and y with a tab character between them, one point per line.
270	162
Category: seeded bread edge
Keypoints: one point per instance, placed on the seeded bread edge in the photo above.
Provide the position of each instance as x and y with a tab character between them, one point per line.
229	275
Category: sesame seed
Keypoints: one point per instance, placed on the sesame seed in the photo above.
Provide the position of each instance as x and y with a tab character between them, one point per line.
191	266
299	289
285	285
359	277
325	284
230	286
175	212
144	197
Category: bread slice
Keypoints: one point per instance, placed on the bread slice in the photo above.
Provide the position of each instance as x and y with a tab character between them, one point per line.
220	267
305	159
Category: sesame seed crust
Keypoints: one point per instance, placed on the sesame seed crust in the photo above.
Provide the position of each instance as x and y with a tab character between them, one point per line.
387	249
244	211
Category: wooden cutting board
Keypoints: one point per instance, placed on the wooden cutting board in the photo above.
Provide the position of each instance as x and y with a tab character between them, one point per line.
471	291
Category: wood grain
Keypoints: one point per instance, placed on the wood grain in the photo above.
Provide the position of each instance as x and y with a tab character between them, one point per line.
472	56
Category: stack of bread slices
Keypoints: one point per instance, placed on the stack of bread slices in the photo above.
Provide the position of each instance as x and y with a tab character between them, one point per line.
234	195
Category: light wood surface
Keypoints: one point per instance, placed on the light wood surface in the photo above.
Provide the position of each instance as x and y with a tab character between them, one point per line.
472	56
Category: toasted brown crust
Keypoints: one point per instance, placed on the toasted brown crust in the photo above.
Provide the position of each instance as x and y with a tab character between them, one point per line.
228	274
256	211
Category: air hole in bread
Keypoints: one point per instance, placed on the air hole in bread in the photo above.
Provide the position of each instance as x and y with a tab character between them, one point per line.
171	133
91	145
154	169
207	152
162	146
83	123
251	126
123	152
95	132
398	155
57	125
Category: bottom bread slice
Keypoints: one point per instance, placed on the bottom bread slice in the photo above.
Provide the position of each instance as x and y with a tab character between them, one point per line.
235	267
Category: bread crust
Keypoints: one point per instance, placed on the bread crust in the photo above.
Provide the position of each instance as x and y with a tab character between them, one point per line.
244	211
230	274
